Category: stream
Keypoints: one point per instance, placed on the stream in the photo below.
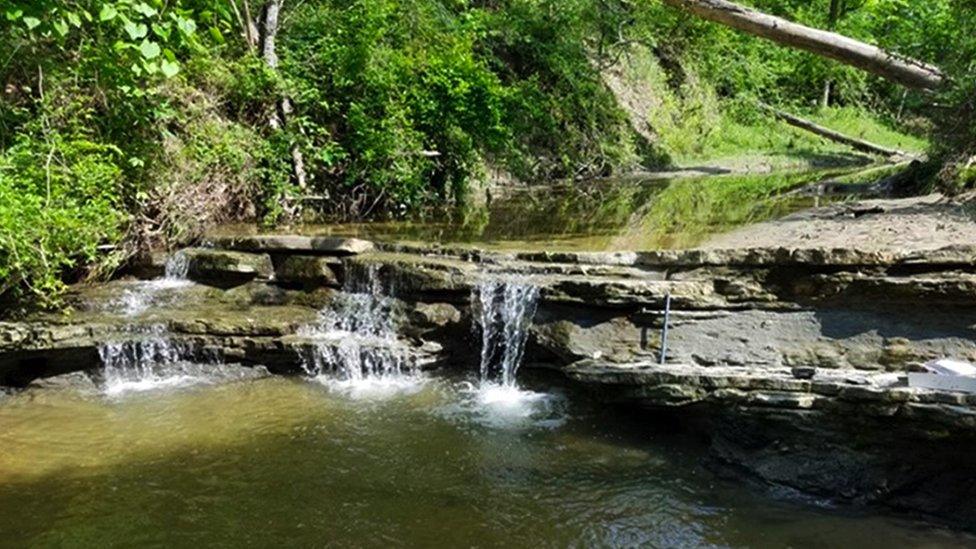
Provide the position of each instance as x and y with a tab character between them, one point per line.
280	461
365	446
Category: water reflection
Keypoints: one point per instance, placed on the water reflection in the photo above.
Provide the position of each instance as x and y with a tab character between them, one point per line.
629	214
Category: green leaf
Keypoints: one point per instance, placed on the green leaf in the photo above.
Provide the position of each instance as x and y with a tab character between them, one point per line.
216	35
31	22
13	15
61	27
169	68
186	26
150	67
168	54
149	49
145	9
135	31
162	30
107	13
73	19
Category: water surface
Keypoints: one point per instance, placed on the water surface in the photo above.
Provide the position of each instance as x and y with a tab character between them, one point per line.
613	214
293	462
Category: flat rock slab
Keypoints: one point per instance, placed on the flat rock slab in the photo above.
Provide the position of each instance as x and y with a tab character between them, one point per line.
309	270
286	243
226	268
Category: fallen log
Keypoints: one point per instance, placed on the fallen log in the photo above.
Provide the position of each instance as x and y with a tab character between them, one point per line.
827	133
903	70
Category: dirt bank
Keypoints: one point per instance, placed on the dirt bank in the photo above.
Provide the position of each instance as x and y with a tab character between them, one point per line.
905	224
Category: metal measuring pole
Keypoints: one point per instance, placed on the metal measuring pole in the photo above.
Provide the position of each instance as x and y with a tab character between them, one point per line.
664	329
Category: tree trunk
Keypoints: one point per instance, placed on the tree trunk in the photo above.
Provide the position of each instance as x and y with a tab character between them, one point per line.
853	142
905	71
283	108
832	17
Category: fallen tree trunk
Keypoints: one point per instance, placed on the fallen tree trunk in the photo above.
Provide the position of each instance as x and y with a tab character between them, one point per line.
905	71
852	142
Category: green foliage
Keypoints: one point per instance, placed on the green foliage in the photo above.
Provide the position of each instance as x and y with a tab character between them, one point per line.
154	114
82	120
404	103
59	199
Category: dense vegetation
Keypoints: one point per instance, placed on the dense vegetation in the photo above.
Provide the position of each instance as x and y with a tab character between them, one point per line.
131	123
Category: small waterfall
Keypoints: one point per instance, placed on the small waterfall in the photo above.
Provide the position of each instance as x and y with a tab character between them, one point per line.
505	310
137	299
354	344
149	360
177	267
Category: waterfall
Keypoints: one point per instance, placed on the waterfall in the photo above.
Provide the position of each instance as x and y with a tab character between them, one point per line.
149	360
505	311
137	299
355	341
177	267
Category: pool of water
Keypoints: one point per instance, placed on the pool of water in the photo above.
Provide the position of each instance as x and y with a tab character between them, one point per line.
433	462
613	214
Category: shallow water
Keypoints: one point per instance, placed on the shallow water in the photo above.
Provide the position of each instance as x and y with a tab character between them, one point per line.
294	462
600	215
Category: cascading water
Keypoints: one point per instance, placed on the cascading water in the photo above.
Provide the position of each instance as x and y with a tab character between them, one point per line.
506	309
137	299
148	357
354	346
148	360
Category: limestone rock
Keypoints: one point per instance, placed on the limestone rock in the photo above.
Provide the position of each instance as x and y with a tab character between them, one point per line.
308	271
275	243
225	268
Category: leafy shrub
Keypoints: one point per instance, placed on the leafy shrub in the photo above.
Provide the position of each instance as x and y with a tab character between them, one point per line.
59	199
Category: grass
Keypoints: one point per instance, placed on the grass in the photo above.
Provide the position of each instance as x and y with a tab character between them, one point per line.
784	146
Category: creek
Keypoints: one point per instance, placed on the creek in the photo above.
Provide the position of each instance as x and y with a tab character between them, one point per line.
178	430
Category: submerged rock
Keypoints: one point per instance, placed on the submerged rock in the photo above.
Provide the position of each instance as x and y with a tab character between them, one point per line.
74	381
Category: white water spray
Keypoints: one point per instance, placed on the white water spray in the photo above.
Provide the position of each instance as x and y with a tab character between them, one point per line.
147	361
504	309
355	348
143	294
505	312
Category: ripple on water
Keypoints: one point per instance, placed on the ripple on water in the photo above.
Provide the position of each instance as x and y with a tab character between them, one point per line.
307	465
175	376
498	405
377	387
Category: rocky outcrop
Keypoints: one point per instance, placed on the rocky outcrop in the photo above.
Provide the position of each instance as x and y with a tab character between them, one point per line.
308	271
225	268
858	437
293	244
